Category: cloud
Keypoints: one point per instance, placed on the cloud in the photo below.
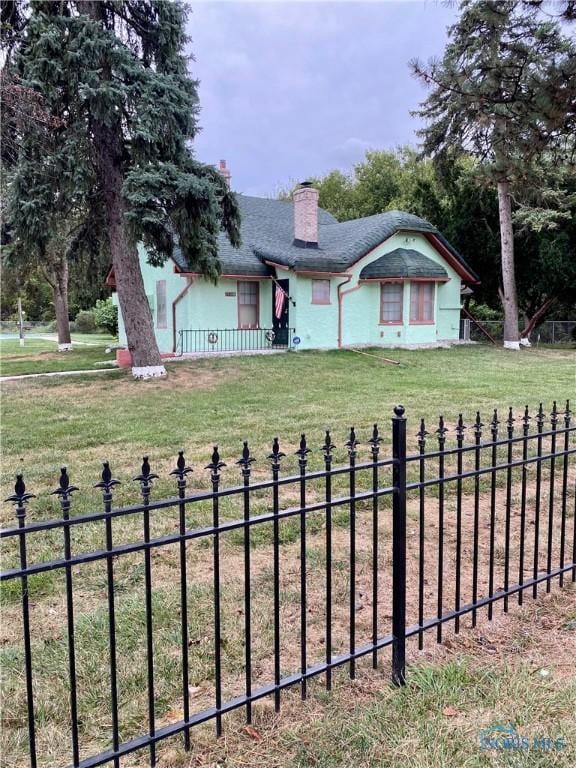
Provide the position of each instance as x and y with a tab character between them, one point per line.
291	90
349	152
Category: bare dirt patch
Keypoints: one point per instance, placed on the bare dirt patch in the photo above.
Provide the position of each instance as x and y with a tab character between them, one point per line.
181	375
552	514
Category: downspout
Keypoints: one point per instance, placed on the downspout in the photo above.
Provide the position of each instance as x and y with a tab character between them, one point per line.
340	295
176	300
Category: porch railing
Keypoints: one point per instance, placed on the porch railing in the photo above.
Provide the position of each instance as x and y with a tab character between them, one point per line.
233	339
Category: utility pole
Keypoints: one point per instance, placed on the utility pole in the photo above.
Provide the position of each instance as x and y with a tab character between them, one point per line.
20	322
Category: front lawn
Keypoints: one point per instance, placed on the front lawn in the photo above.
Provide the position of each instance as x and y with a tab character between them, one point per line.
40	355
228	400
487	676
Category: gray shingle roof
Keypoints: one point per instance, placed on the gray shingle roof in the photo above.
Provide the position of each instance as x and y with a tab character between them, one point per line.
402	262
267	229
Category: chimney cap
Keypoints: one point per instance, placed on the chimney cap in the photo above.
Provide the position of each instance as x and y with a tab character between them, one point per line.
305	183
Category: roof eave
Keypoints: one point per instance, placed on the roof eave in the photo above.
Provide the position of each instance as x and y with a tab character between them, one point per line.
231	275
323	272
403	279
452	257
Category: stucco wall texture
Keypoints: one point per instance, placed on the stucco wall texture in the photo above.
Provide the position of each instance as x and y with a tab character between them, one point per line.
352	318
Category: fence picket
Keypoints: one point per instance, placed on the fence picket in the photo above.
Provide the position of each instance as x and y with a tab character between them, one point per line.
343	489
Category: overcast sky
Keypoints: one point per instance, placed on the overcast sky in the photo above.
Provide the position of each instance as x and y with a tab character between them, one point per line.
292	90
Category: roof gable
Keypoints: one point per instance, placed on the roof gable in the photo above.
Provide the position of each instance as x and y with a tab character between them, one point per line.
403	262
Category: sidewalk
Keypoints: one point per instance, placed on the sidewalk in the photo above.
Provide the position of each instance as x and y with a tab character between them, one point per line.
56	373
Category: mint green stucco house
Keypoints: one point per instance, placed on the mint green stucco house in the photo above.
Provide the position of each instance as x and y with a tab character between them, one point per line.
303	280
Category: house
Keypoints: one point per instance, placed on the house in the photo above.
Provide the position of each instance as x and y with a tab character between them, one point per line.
303	280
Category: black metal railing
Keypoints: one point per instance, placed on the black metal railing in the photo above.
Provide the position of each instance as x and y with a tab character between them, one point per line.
260	586
233	340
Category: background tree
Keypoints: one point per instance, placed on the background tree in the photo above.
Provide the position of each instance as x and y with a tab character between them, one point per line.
547	226
504	91
25	281
450	196
118	74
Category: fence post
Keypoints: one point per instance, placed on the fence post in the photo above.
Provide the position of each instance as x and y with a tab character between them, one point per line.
399	547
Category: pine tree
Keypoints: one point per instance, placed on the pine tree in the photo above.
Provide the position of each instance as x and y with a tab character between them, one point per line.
117	75
505	90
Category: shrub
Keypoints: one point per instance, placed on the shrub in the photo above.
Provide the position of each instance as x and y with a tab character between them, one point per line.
106	316
484	312
85	322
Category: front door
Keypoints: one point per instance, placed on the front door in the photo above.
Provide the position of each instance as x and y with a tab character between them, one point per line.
280	313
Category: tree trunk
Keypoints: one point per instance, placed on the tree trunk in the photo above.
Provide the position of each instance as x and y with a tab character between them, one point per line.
146	361
60	288
537	317
107	141
508	294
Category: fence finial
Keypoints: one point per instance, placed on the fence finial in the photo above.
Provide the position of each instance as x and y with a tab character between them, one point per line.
328	446
375	440
20	497
146	476
245	460
145	479
526	418
351	443
421	434
399	411
276	454
567	414
494	424
181	469
64	488
215	463
460	428
303	450
107	482
441	431
554	415
510	421
540	417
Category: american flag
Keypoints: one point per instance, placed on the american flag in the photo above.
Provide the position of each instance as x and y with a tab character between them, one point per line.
279	302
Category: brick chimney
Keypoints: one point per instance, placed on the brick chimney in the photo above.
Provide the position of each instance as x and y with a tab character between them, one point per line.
306	215
224	172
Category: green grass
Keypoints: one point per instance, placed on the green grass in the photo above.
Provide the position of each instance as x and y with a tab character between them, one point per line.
42	356
408	727
80	421
226	401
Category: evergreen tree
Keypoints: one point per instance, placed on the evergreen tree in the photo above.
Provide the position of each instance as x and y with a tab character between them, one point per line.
547	225
117	75
505	91
466	212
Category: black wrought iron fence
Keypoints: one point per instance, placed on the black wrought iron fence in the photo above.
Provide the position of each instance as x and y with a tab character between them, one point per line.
233	340
221	595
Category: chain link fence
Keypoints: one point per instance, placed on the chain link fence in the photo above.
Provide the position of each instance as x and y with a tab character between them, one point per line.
548	332
12	327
